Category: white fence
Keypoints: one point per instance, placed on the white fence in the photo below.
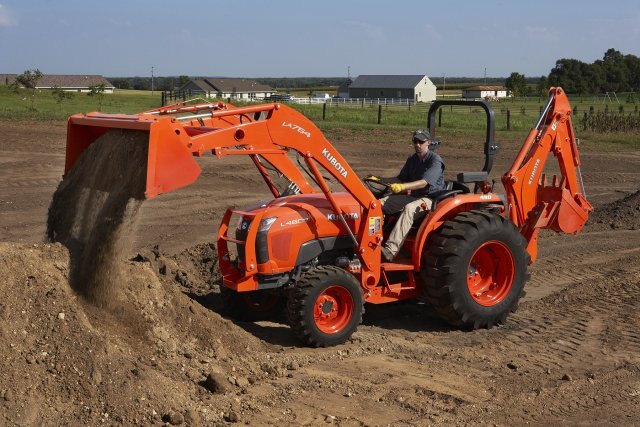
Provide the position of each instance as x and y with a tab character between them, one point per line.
353	101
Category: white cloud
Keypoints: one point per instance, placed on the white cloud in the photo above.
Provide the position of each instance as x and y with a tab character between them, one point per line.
6	18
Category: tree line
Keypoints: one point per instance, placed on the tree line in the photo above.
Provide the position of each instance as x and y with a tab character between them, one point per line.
615	72
176	82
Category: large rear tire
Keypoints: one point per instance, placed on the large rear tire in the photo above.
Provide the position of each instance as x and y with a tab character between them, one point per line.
325	307
475	269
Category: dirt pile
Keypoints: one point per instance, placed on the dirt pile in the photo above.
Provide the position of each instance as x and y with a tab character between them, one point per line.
93	211
621	214
152	358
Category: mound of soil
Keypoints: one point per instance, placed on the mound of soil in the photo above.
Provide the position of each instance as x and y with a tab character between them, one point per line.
622	214
156	357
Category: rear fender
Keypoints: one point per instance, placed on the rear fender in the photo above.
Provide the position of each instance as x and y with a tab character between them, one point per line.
446	210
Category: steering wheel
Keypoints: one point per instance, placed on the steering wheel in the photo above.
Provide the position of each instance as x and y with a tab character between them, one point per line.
378	188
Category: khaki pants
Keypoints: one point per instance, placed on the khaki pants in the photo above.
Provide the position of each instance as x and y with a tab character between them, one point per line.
410	210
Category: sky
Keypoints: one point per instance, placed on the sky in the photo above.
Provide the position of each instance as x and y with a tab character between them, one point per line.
300	38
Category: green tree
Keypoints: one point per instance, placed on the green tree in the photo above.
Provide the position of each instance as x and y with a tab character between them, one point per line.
29	79
543	86
97	91
517	84
120	83
61	95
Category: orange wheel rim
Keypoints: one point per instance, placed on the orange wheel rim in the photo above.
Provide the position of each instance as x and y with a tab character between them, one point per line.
490	273
333	309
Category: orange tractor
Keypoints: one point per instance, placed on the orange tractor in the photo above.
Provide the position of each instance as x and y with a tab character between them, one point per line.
319	250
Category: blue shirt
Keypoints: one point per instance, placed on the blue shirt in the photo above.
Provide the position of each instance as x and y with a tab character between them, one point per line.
431	169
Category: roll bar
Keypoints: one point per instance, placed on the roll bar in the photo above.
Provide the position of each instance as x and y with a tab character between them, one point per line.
490	145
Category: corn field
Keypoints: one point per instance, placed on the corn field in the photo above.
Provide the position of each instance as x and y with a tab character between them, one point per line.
606	122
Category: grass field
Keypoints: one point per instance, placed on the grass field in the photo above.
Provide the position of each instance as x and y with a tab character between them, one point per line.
456	121
16	106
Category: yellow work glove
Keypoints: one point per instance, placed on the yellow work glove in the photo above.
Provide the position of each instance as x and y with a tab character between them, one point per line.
373	178
396	188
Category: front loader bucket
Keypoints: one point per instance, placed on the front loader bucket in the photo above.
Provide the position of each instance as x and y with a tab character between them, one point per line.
170	164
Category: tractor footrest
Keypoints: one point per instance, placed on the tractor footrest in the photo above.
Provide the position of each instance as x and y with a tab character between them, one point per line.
400	265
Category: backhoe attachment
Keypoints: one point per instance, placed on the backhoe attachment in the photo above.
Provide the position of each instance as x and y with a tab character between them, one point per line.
532	203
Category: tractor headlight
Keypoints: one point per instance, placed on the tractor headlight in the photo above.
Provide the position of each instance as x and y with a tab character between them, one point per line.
266	224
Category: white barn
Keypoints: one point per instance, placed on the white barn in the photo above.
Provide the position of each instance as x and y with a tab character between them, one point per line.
486	92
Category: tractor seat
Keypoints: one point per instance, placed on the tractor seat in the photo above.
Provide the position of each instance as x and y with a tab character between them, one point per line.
451	188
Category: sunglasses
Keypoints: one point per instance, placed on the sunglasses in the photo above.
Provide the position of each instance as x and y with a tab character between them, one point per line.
417	141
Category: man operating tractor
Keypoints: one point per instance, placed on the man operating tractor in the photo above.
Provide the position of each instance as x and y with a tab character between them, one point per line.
421	176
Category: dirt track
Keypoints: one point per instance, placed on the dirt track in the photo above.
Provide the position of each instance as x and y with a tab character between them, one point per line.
571	354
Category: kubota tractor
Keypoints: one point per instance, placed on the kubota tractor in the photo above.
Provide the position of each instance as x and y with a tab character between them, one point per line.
318	250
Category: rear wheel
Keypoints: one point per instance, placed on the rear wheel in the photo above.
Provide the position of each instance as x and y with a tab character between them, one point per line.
252	306
475	269
326	306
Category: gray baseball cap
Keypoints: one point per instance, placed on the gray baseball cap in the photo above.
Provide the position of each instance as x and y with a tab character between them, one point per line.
421	135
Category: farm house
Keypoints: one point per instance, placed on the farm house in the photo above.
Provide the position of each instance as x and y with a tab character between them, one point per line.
66	82
235	88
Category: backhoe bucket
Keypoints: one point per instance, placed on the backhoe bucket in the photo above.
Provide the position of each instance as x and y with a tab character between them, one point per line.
572	213
170	164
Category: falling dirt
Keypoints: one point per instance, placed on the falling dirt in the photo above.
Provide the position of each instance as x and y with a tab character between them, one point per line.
93	211
163	355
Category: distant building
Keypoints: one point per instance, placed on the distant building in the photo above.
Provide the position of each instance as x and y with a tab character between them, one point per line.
415	87
486	92
235	88
66	82
7	79
343	89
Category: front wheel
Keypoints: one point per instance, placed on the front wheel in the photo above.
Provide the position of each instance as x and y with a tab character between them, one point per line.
325	307
475	269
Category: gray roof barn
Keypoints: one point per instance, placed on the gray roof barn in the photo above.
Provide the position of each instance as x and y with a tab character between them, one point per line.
402	88
387	81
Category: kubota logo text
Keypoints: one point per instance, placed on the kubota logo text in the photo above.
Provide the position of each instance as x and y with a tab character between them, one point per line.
297	129
533	172
341	170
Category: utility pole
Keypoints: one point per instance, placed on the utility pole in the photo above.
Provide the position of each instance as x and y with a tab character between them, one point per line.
485	75
152	80
444	83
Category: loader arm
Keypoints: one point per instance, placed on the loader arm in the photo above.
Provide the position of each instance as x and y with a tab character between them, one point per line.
266	132
532	204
